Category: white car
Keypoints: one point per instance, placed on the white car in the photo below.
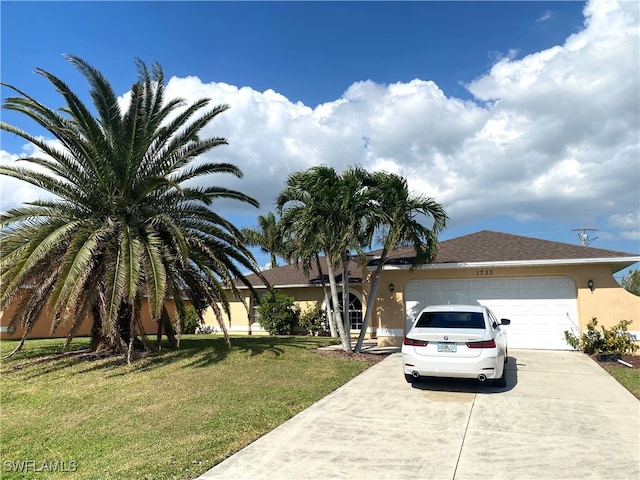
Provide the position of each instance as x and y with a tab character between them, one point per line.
459	341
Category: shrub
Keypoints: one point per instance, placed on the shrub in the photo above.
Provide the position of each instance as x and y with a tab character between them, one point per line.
616	340
314	320
278	314
189	322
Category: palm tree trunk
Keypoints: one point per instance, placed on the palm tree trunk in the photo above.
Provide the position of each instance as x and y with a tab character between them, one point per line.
371	299
327	306
345	296
165	324
96	327
346	343
101	341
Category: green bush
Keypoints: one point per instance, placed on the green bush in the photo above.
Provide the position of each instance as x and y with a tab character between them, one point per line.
616	340
189	322
278	314
314	320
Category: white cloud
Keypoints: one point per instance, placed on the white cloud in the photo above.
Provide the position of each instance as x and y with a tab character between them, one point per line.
544	16
628	224
13	192
554	135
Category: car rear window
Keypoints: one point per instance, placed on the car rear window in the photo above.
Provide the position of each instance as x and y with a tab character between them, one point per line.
451	320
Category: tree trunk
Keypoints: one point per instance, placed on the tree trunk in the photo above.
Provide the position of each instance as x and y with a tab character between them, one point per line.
123	340
346	343
164	324
345	296
327	306
371	298
104	343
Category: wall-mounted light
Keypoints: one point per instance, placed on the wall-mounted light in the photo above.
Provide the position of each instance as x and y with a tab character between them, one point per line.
591	285
392	287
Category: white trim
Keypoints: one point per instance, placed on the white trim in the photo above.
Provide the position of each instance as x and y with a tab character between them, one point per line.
245	328
370	330
7	329
511	263
357	294
297	285
390	332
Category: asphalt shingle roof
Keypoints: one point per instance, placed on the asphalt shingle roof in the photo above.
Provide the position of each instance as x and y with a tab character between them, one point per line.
484	246
292	275
488	246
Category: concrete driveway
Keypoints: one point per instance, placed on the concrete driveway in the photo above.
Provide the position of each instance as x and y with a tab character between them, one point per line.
560	417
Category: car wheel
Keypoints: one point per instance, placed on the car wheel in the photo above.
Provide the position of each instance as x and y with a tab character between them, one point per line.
506	357
502	381
410	378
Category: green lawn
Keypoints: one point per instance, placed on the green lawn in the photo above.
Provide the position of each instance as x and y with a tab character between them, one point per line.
628	377
173	415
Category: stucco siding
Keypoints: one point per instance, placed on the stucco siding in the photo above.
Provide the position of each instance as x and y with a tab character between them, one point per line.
609	302
42	328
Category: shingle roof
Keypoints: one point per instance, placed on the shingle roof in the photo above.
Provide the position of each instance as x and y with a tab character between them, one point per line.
291	275
481	247
488	246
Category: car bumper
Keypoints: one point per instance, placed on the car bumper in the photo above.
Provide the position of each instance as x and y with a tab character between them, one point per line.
489	366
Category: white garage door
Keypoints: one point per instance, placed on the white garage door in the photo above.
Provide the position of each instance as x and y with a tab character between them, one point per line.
540	308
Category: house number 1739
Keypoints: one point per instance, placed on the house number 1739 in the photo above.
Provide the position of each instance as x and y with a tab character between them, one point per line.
483	273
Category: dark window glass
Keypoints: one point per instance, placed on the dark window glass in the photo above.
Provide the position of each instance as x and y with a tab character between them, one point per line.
355	311
451	320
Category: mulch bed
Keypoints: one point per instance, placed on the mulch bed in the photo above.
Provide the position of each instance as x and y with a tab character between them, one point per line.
370	358
612	360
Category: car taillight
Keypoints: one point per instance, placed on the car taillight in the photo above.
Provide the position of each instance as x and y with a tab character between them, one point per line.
484	344
415	343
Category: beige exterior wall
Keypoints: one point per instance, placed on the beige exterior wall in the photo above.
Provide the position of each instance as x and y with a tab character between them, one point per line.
43	325
609	302
305	299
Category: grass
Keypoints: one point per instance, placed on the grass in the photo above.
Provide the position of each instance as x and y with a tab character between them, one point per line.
628	377
169	416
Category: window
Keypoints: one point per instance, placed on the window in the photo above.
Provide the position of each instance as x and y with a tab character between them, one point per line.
451	320
355	311
255	318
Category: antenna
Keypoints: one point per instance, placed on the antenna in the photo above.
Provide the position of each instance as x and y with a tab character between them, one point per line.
585	241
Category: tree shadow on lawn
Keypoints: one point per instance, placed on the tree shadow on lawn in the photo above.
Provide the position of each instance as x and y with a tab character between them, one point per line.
195	351
217	350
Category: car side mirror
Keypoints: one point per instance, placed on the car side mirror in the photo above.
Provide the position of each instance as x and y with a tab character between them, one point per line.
505	321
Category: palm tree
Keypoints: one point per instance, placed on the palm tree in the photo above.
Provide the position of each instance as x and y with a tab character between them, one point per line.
328	213
123	226
308	212
266	236
631	282
398	216
305	253
357	223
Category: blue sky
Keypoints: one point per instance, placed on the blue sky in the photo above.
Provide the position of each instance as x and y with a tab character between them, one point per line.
520	117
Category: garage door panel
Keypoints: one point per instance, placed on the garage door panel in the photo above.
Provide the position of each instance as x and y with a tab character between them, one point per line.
540	308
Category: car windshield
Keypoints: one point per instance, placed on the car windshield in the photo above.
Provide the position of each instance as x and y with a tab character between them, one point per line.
451	320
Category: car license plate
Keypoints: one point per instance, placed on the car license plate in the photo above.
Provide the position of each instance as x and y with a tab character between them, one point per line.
447	347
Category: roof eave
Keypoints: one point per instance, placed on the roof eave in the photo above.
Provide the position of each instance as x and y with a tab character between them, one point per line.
296	285
616	264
